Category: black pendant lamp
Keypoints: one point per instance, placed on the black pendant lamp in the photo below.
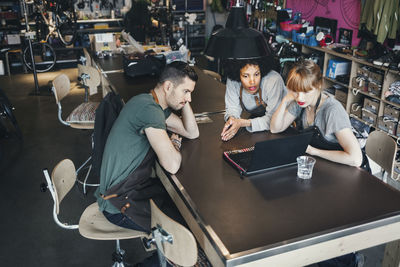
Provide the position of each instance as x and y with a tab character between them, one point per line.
237	40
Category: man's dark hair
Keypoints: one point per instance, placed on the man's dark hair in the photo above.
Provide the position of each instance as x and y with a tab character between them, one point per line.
232	67
176	71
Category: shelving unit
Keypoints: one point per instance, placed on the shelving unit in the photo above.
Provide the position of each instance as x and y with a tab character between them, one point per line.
196	32
356	96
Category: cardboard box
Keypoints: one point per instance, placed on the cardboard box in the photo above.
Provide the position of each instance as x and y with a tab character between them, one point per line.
376	76
341	95
103	42
391	112
337	67
369	117
359	83
355	109
363	71
387	126
13	39
396	170
372	105
398	131
374	89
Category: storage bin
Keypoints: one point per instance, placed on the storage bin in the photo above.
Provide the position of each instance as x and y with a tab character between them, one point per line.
355	109
387	125
372	105
391	112
341	95
376	76
374	88
359	83
368	116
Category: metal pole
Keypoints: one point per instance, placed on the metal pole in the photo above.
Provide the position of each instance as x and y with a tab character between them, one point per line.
35	78
186	26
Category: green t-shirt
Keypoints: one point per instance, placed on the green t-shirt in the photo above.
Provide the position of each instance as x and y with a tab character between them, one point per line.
127	144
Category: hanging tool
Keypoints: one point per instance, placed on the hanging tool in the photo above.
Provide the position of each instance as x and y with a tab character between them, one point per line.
81	5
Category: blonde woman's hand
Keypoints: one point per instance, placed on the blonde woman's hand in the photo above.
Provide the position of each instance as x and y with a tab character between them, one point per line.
289	97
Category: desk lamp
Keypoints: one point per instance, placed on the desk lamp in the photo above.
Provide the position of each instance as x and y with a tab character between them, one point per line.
237	40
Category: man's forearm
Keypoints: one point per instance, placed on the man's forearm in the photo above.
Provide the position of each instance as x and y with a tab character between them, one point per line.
189	122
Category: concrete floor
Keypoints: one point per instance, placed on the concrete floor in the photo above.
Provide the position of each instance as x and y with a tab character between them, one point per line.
29	235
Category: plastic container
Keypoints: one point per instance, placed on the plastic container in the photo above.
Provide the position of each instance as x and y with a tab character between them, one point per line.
286	26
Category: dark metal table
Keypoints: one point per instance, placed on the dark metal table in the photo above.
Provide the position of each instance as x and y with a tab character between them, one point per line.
275	219
271	219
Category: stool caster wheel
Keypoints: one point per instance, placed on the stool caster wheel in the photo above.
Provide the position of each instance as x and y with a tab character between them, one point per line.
43	187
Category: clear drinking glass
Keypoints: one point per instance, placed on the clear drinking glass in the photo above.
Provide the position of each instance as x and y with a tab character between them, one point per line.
305	165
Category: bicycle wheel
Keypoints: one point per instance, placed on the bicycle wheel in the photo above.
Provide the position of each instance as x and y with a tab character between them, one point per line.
44	55
8	122
66	25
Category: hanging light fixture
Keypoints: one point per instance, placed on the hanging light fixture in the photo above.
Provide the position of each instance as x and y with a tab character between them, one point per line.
237	40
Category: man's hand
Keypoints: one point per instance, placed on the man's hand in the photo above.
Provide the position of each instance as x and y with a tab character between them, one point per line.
230	128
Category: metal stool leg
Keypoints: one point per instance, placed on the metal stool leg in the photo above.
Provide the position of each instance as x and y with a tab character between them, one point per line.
22	62
8	65
84	184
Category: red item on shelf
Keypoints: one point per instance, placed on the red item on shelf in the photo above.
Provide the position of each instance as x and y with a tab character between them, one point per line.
286	26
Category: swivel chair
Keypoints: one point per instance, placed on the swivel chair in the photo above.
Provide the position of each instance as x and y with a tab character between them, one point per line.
82	117
92	224
172	240
382	148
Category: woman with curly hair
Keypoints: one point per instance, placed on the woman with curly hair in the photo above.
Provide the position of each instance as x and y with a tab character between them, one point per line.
254	87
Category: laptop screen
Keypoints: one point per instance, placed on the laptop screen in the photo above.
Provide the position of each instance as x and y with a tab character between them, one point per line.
279	152
269	154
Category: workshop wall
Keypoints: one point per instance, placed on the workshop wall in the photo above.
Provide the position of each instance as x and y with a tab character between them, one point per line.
346	12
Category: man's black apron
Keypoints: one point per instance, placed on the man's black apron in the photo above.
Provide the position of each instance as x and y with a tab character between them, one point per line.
131	196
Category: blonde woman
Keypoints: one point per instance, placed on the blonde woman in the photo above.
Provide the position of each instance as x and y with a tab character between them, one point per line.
310	107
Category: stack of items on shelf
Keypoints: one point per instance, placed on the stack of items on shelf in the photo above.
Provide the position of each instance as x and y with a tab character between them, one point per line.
396	167
393	94
368	80
299	30
389	121
360	130
340	94
369	112
141	60
378	55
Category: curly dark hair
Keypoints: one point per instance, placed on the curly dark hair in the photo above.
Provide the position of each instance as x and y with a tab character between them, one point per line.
232	67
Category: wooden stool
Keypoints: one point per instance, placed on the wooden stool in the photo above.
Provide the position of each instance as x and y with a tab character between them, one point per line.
15	51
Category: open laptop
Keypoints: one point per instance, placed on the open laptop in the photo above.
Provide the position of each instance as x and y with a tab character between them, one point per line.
268	155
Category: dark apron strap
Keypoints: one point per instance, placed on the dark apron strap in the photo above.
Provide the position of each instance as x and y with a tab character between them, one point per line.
259	110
